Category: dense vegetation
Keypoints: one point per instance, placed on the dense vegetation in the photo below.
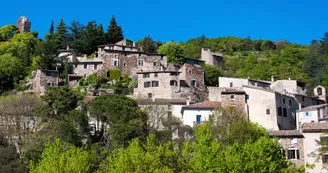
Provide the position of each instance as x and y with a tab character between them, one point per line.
123	141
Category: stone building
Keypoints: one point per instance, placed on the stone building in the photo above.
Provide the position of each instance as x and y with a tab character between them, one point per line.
272	104
292	143
212	58
23	24
44	79
182	82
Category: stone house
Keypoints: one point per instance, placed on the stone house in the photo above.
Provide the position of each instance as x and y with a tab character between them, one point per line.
197	113
182	81
23	24
44	79
272	104
212	58
316	113
292	143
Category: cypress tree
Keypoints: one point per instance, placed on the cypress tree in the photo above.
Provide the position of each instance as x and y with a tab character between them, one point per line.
114	32
61	35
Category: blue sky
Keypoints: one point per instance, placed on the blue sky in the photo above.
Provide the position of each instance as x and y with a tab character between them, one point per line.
298	21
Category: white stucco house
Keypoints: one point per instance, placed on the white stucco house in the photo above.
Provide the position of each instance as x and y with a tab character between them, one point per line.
312	132
197	113
316	113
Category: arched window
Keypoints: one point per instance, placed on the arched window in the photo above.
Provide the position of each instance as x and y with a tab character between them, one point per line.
319	91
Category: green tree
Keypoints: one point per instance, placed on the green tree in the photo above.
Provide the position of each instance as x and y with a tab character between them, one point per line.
114	32
51	34
212	74
60	100
173	51
10	71
48	55
148	45
9	162
61	35
58	157
148	157
7	32
123	117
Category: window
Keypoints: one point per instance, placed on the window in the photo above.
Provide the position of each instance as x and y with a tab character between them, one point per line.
198	118
155	63
284	101
173	74
307	114
247	97
147	84
115	56
231	84
194	83
303	98
115	62
293	141
232	97
284	112
95	67
85	66
49	84
293	154
189	72
156	74
124	64
279	111
155	83
75	65
150	95
173	83
140	62
146	75
325	158
290	102
162	57
268	111
319	91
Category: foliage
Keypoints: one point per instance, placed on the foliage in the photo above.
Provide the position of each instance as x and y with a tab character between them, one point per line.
145	157
60	100
61	35
173	51
58	157
148	45
114	74
114	32
7	32
10	71
212	74
9	158
123	117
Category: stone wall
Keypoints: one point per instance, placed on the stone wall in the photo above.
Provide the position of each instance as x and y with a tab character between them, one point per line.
212	58
132	62
191	72
87	68
23	24
286	144
44	79
238	99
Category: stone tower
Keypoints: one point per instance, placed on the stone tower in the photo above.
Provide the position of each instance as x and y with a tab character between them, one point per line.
23	24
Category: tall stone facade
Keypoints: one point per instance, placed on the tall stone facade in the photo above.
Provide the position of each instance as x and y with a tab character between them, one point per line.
23	24
44	79
212	58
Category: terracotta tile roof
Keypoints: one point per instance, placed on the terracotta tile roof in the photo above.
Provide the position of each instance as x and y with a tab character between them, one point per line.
162	101
285	133
315	127
203	105
314	107
233	91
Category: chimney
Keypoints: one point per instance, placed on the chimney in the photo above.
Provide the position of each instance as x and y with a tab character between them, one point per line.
288	78
134	44
188	101
272	78
248	77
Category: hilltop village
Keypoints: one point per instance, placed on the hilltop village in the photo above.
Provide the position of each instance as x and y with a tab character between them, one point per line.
164	89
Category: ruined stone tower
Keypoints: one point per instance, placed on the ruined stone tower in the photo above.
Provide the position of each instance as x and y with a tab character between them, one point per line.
23	24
